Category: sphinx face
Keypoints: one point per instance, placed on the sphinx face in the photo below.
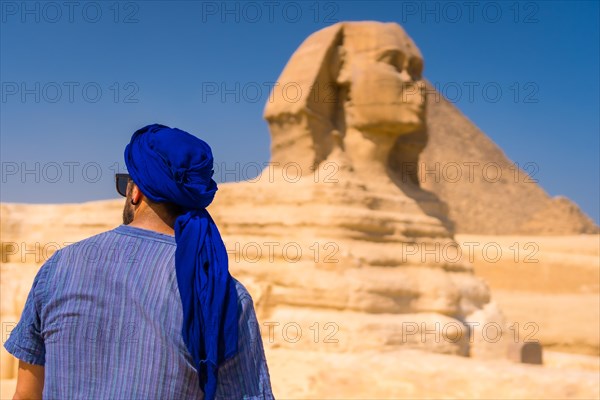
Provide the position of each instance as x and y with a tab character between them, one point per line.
381	70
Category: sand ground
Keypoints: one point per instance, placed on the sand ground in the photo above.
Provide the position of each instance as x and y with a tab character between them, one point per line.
553	283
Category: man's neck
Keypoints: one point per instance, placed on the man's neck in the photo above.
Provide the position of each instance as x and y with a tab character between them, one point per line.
157	226
153	217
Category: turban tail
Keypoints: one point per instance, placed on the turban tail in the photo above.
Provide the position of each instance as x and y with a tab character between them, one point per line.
170	165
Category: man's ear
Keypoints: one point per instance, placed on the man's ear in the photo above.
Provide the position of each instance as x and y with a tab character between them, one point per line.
136	194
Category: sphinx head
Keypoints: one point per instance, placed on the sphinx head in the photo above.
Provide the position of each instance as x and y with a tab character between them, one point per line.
380	78
350	77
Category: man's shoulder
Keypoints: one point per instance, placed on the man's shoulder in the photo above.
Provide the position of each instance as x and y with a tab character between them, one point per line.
245	299
59	261
242	292
88	245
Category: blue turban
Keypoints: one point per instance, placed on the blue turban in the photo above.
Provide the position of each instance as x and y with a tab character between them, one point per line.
170	165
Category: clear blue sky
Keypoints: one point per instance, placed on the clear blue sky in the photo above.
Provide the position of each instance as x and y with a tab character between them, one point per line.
152	62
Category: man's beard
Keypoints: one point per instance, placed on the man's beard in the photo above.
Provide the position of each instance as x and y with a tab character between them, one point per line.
128	209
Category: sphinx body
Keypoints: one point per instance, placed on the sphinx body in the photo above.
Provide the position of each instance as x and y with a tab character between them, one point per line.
337	224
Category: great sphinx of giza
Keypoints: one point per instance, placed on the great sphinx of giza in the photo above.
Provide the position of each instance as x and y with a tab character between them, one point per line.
355	91
371	251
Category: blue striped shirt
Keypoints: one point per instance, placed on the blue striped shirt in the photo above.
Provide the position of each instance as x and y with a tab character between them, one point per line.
104	318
